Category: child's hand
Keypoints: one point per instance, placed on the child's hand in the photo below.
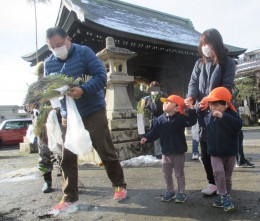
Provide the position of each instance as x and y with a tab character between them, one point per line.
216	113
143	140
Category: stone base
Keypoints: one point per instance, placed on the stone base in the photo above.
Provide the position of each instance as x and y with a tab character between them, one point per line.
124	136
128	150
132	149
28	148
121	114
122	124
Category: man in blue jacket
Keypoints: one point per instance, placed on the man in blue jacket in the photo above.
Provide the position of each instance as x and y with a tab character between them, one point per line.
80	61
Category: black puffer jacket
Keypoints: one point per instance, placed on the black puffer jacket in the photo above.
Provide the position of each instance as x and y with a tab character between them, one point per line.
206	77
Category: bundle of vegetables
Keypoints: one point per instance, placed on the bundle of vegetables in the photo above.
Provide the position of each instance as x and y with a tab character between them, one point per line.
41	121
49	87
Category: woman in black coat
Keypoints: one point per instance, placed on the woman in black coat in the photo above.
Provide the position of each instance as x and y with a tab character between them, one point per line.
213	69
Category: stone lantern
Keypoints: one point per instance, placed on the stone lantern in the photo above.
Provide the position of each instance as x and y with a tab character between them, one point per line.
120	112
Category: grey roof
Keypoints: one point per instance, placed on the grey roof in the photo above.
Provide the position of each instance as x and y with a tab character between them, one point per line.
136	20
146	24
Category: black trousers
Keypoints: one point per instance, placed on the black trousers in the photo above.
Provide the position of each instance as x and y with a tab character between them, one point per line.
206	162
240	156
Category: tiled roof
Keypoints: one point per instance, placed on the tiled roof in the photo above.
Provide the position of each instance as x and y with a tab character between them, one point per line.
138	20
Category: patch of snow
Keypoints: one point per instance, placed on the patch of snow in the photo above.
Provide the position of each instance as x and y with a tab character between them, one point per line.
144	160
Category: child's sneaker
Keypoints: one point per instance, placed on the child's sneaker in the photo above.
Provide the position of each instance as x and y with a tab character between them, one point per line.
180	198
167	196
210	190
218	202
227	203
120	193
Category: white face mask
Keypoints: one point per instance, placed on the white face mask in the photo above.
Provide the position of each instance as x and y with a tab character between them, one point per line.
154	92
206	50
61	52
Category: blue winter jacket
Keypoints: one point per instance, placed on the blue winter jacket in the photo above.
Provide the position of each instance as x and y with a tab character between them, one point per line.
81	61
223	133
170	130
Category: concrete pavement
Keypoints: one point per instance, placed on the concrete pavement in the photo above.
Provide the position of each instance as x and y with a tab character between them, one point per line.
22	199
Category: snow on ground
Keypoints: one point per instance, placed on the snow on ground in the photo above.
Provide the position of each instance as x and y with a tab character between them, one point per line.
144	160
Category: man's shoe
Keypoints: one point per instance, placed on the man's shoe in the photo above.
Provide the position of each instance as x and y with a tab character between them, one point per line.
167	196
210	190
61	205
46	188
120	193
180	198
245	164
195	156
66	207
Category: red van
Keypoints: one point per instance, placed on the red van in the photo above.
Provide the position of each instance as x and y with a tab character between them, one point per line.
12	131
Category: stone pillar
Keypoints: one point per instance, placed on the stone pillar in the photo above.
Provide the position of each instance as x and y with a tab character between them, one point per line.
121	115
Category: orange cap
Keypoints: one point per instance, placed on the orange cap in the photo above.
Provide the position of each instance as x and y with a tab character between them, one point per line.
220	94
175	99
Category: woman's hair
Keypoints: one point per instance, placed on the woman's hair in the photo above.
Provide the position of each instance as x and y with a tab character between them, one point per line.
214	39
55	31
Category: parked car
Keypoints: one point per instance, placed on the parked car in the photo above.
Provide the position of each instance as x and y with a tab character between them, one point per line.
12	131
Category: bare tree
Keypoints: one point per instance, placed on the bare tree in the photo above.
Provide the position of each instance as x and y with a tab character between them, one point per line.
34	3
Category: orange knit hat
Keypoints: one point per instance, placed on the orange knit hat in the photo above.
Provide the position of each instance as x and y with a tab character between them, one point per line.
220	94
175	99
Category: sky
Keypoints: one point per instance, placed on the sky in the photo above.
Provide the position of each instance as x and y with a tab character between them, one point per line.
236	20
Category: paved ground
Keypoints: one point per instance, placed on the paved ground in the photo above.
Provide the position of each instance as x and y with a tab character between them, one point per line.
21	198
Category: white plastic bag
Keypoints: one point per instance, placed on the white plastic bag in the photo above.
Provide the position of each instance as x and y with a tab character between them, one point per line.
92	157
140	124
30	135
54	133
77	138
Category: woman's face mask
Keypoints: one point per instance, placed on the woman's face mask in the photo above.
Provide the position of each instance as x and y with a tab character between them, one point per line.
60	52
207	51
154	92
